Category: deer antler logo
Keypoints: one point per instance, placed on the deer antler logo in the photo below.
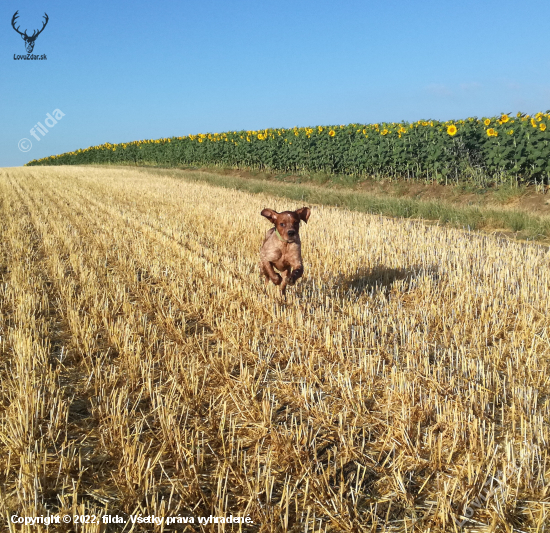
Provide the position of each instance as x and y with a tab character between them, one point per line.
29	41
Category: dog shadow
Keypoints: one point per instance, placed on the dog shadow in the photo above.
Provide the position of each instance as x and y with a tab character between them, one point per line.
380	279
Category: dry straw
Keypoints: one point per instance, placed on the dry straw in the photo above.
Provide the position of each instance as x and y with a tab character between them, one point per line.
145	369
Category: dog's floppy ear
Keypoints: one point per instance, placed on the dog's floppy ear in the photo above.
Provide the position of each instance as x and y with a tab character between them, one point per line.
304	213
270	215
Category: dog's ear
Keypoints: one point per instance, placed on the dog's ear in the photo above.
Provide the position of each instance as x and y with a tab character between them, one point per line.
304	213
270	215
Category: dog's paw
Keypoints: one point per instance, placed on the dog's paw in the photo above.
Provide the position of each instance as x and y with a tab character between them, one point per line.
278	280
294	277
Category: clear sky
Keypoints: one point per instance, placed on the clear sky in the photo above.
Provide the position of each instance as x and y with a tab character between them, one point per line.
122	71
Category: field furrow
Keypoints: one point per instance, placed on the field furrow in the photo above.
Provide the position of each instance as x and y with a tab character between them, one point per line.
36	407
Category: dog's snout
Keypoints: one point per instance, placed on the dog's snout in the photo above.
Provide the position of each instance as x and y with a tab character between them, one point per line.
291	232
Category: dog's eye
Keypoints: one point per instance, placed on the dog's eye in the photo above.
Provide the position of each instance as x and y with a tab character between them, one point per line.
282	225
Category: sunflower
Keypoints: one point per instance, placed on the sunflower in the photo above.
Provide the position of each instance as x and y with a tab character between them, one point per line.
332	133
504	118
451	130
492	133
487	121
542	127
511	132
384	132
533	123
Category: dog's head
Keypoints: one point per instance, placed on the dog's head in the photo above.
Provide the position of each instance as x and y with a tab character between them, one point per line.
287	223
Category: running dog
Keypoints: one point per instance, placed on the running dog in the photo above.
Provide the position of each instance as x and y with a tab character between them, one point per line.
282	248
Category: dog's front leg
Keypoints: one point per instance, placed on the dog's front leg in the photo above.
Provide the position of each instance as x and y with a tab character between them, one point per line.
286	280
296	274
267	269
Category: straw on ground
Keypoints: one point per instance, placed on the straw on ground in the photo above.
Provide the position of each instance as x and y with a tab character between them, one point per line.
144	368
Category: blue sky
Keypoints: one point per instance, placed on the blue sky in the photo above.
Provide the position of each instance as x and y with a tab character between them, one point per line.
122	71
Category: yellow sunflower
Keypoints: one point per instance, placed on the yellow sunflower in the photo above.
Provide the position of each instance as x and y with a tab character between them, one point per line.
504	118
451	130
542	127
332	133
487	121
492	133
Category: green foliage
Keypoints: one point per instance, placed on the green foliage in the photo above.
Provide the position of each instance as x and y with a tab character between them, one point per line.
498	149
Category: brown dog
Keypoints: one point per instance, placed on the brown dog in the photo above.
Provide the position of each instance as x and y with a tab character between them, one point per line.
282	247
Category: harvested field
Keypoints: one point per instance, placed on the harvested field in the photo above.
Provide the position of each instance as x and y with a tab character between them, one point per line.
145	369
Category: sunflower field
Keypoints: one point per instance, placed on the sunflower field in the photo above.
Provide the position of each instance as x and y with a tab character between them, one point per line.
487	150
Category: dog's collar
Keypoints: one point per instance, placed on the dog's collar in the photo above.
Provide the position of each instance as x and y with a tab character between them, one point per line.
279	236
